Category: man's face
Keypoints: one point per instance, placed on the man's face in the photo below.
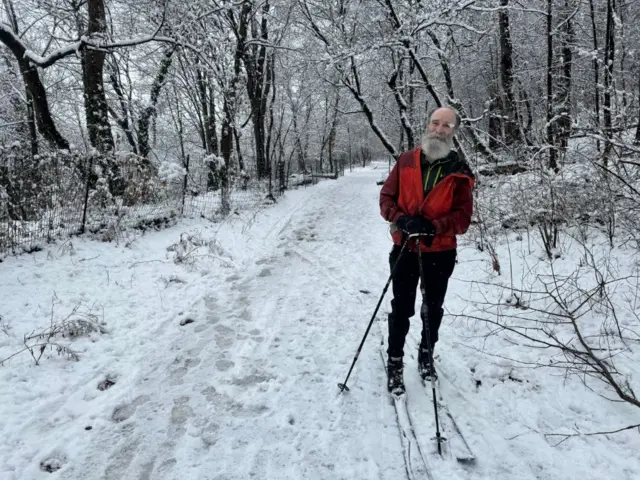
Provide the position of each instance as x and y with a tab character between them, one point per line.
437	140
442	124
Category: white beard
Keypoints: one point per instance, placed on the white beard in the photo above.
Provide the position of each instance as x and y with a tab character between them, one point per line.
436	148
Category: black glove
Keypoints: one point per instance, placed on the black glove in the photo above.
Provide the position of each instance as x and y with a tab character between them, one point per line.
416	224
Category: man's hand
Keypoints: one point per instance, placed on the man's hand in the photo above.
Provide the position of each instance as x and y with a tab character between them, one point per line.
416	224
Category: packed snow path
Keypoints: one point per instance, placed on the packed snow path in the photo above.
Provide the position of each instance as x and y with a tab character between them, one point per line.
249	388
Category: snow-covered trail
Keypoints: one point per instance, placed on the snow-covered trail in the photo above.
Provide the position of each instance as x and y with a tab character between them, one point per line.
249	389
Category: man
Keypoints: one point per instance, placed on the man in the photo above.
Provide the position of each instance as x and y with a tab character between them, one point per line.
428	191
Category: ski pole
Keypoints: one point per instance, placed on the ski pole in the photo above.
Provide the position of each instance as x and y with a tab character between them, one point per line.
425	323
343	386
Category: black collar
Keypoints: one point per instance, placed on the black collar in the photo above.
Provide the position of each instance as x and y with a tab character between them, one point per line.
449	158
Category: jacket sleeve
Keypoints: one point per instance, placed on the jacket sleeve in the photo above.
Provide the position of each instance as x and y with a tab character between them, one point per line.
389	197
457	221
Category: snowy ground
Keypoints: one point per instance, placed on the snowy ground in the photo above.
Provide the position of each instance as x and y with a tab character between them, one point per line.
278	301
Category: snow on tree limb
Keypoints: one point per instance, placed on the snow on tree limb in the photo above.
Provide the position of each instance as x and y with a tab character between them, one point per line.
20	49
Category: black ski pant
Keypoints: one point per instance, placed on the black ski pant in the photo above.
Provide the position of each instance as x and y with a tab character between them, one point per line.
438	267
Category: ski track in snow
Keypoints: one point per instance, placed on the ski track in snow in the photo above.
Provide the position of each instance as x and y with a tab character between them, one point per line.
249	389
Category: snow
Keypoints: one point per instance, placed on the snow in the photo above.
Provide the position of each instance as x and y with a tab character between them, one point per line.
225	343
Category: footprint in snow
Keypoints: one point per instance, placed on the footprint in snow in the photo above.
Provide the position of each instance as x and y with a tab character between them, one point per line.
225	337
181	411
54	462
165	467
224	365
250	380
125	411
265	273
107	383
201	328
179	368
209	433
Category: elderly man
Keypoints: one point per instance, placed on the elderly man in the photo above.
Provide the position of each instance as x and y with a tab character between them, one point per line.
428	192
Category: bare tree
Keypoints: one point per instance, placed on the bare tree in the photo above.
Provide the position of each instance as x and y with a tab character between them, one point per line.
510	129
596	68
553	162
609	56
35	90
92	73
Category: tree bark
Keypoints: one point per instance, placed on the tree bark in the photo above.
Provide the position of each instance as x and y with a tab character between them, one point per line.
33	86
229	102
637	139
509	112
95	100
256	64
565	83
124	119
271	73
609	56
332	134
204	115
150	110
623	57
302	154
596	68
402	104
553	162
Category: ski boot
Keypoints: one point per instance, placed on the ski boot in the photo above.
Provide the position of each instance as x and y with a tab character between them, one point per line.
395	380
424	365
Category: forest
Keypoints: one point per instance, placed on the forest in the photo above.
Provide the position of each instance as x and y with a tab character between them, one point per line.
116	113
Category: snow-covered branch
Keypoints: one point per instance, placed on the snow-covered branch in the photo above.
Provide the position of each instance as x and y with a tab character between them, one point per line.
507	8
20	49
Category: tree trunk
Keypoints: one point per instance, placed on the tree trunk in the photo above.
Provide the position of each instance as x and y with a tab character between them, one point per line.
301	156
33	134
124	119
210	126
495	122
565	83
524	99
623	63
230	100
94	96
271	73
236	136
402	105
596	68
332	134
637	140
149	111
609	56
509	111
226	144
33	86
205	116
553	163
417	133
31	122
256	64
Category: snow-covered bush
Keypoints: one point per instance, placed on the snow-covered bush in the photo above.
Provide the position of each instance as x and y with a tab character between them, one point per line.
59	334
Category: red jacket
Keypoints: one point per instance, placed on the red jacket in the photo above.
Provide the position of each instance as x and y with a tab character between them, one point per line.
448	205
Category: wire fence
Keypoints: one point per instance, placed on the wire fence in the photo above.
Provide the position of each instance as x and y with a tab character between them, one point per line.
59	194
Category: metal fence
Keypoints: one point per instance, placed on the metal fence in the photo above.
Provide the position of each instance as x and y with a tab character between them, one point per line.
60	194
